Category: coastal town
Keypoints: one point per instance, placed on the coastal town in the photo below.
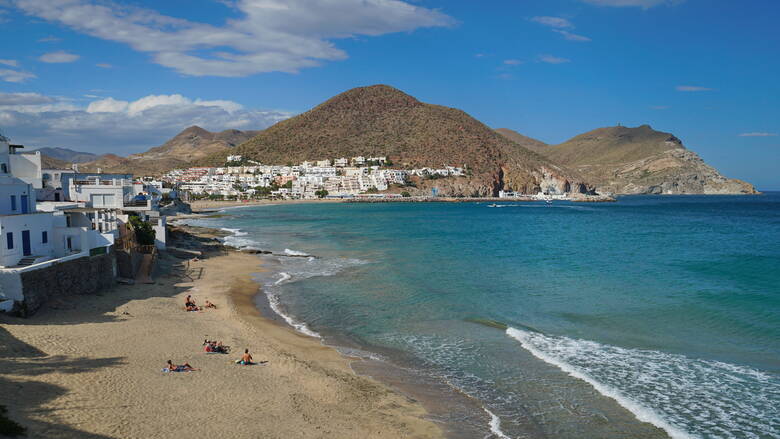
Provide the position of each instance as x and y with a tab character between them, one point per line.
360	176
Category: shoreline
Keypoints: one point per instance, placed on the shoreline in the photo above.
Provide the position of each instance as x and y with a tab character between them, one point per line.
75	359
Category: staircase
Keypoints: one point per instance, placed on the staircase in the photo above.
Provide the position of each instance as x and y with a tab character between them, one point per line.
26	261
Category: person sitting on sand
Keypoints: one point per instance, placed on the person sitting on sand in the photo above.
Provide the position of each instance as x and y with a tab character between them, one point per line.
246	359
192	307
180	368
210	305
189	301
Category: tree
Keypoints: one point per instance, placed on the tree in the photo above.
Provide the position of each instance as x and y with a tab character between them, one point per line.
322	193
288	185
406	194
144	233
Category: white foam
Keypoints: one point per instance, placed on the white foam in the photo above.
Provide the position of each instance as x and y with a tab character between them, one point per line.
688	398
495	425
289	252
284	277
235	232
273	301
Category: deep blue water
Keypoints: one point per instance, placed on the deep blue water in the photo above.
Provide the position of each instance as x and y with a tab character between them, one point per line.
665	309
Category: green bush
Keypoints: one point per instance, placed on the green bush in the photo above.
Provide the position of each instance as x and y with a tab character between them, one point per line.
322	193
406	194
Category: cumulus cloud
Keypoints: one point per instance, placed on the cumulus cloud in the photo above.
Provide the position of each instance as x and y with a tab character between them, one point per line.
9	62
758	135
58	57
550	59
270	35
691	88
572	37
117	126
630	3
557	22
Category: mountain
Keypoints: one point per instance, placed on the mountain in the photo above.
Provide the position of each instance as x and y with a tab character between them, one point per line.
68	155
526	142
380	120
52	163
641	160
192	144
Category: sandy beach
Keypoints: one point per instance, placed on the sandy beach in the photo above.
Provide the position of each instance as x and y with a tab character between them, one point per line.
90	367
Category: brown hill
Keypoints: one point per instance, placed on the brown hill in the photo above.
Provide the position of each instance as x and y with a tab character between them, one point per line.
641	160
192	144
383	121
526	142
48	162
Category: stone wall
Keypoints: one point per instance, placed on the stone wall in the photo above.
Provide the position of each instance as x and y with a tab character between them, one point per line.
87	275
128	262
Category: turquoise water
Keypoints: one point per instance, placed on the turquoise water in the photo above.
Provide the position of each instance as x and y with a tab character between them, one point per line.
664	310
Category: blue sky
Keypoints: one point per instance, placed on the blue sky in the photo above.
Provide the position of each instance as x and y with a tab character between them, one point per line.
123	76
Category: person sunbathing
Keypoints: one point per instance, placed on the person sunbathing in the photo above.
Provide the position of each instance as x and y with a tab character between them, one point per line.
210	305
180	368
192	307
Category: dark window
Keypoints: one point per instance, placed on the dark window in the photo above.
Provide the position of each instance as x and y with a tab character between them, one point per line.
44	237
13	202
10	240
4	168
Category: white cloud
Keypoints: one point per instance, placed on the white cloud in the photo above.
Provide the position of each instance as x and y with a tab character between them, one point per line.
117	126
9	62
758	135
270	35
512	62
15	75
556	22
107	105
630	3
57	57
49	39
104	65
15	99
550	59
691	88
572	37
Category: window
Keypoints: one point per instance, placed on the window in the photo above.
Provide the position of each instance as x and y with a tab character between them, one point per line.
13	202
44	237
4	168
10	240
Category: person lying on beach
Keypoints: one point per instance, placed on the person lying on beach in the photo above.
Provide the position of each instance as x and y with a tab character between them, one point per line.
210	305
180	368
215	346
192	307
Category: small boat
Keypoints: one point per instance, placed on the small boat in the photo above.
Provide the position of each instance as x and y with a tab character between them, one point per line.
493	205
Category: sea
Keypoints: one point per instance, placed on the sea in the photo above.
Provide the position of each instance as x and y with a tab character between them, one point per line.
651	317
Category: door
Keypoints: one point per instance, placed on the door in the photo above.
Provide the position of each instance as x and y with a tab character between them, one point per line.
26	204
26	250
